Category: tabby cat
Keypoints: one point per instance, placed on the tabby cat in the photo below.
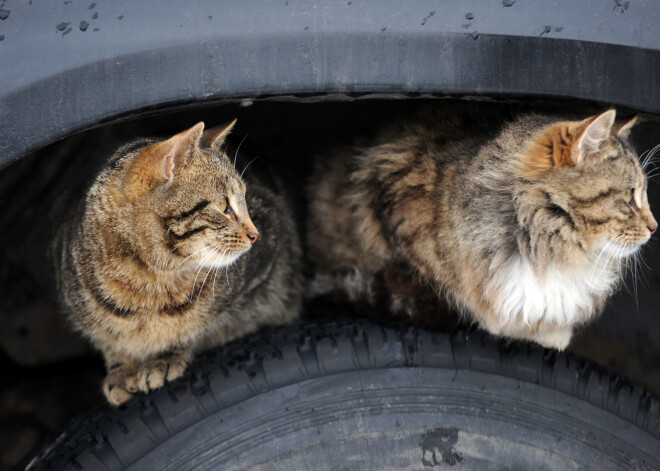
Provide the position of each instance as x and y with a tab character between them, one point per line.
522	221
162	259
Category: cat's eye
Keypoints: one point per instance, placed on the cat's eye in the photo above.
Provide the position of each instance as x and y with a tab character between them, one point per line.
629	196
224	207
222	204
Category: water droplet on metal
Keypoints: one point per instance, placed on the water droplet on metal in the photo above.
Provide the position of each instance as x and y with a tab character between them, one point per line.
83	26
426	18
120	17
62	26
508	3
469	16
92	6
95	15
546	30
4	14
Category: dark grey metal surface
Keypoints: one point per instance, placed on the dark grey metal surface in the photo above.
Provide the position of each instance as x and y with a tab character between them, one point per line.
70	65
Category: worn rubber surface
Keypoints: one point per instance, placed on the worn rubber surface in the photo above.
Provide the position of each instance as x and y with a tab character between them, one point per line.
357	395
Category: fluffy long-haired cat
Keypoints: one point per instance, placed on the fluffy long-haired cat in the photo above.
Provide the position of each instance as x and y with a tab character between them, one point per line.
524	222
169	254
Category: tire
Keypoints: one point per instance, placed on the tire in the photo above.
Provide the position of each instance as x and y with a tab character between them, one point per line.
358	395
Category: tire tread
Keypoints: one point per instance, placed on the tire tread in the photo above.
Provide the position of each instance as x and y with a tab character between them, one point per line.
113	438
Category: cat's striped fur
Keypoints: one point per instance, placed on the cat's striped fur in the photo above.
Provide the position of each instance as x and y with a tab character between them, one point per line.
523	221
162	258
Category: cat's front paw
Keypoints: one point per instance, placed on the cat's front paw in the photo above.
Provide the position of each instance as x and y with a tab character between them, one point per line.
556	338
153	374
119	386
126	380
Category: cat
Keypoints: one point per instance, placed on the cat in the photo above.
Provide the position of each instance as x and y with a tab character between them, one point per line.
522	221
170	254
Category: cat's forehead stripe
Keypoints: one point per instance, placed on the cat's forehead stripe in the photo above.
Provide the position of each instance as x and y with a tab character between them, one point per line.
602	195
198	207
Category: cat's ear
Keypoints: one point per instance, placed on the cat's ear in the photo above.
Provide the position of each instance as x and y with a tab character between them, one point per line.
215	137
178	148
624	130
596	130
159	163
566	144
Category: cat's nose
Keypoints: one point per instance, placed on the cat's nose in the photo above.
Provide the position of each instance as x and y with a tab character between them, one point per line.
653	228
251	232
253	236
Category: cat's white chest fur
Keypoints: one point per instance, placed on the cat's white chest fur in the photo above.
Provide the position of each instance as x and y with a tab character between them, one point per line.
560	297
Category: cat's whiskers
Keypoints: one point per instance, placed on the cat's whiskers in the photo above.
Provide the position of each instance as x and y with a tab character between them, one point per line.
219	259
215	274
238	148
640	267
650	160
614	252
246	167
621	248
199	269
184	260
215	251
635	263
617	256
649	156
632	266
227	268
594	267
653	174
640	257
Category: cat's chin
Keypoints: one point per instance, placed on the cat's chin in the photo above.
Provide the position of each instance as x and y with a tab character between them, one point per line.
616	250
224	260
